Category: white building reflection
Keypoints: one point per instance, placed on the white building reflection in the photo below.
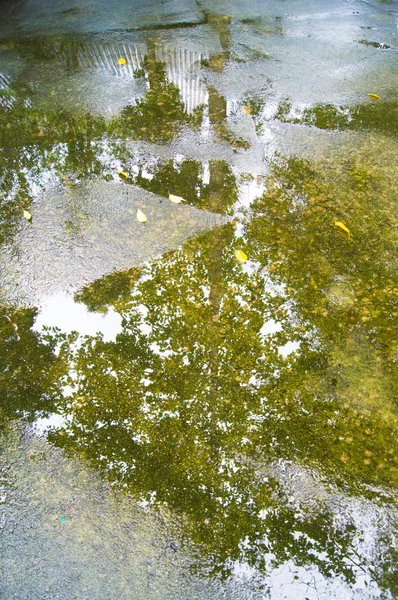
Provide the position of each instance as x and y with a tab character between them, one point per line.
182	66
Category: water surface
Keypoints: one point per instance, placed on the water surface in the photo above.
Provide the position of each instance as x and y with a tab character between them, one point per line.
176	421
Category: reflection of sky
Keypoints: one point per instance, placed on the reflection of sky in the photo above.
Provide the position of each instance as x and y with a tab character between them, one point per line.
288	348
249	191
290	581
43	424
270	327
61	311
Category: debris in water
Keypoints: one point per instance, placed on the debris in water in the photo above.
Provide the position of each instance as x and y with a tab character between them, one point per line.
141	217
241	256
343	227
123	175
176	199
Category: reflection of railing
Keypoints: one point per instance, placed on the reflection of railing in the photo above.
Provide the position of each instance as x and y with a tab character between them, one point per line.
233	108
106	57
182	66
7	96
183	69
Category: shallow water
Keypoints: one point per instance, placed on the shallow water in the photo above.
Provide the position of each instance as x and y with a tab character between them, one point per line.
177	421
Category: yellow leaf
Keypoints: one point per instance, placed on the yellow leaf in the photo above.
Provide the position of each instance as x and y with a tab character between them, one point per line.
374	96
343	227
27	215
121	61
241	256
176	199
123	174
140	216
247	110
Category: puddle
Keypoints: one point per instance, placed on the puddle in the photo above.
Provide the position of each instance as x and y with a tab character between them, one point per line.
203	405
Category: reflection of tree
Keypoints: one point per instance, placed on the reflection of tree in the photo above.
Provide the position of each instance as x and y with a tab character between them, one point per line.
193	410
370	116
48	48
185	179
221	24
29	370
35	141
113	289
175	412
217	103
193	402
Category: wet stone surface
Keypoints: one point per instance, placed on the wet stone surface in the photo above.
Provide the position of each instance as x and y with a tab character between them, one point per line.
79	234
65	534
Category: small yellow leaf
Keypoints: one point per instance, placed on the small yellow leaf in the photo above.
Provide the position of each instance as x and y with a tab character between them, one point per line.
247	110
241	256
343	227
121	61
123	174
140	216
176	199
27	215
374	96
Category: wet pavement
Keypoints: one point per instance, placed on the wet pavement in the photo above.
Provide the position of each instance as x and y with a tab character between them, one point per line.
198	395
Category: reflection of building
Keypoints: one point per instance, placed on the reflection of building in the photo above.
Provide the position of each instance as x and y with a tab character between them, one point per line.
182	66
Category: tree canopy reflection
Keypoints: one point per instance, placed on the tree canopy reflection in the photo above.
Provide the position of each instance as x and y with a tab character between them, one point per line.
197	405
30	373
